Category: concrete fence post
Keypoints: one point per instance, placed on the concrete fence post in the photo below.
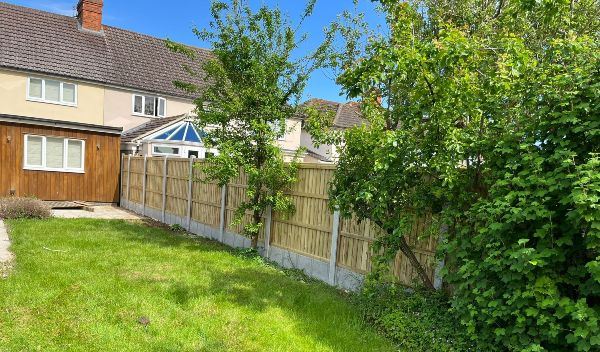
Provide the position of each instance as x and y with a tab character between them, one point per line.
223	206
128	178
190	188
268	224
335	234
164	189
437	275
121	179
144	186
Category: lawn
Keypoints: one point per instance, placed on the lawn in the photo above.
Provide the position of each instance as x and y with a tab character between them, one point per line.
108	285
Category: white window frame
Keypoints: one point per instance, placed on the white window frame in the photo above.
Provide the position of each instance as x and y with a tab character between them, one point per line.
166	146
143	96
43	98
65	156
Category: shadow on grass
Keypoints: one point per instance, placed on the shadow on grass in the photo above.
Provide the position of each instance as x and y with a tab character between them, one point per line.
253	286
317	310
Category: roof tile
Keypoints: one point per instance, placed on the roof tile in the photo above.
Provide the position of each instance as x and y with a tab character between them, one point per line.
48	43
346	115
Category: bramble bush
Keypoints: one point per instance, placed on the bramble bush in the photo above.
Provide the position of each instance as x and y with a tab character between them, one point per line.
491	121
527	253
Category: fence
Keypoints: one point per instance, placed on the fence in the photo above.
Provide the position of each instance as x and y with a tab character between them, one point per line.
314	239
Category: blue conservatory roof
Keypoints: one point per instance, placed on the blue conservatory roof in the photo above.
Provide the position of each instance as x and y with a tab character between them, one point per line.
185	132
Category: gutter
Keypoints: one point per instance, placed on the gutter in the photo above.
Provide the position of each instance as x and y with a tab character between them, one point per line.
26	120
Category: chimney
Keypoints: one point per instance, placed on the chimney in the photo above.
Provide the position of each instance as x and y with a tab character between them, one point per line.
89	13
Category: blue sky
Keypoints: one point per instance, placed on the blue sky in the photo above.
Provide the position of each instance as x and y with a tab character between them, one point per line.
174	19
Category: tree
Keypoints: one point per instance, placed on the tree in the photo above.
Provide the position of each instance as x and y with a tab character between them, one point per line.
254	85
490	121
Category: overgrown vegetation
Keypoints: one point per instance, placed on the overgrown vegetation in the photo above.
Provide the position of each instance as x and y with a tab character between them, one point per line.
416	320
23	208
254	86
490	121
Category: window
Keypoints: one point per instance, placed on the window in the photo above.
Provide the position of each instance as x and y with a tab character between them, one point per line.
149	106
51	91
165	150
54	154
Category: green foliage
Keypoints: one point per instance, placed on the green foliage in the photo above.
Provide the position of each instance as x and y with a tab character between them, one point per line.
490	120
414	320
177	228
526	252
254	86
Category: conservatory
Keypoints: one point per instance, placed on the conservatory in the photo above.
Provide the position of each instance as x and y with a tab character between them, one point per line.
176	136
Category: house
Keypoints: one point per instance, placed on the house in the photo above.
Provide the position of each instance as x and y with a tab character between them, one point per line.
178	136
344	115
69	86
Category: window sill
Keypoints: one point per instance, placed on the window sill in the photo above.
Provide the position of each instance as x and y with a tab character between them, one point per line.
147	116
34	100
165	154
47	169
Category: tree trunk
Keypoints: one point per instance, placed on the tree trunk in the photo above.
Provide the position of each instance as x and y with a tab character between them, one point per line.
254	238
256	215
408	252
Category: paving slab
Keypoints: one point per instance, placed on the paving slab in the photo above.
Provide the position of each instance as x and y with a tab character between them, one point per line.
97	212
5	254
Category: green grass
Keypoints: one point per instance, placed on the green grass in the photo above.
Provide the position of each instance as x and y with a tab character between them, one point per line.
199	296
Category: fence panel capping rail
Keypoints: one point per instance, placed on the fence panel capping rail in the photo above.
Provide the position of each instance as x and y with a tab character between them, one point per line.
313	239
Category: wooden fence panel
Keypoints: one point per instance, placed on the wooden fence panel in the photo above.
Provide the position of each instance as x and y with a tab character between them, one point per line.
355	244
206	199
424	248
236	195
137	180
154	182
308	229
178	174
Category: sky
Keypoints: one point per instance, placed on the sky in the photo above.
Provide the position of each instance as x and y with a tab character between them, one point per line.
174	19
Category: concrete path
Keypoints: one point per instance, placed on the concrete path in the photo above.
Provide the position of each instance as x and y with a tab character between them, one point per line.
98	212
5	254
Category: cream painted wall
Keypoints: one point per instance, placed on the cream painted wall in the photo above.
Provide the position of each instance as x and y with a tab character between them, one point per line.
326	150
101	105
13	100
118	108
291	140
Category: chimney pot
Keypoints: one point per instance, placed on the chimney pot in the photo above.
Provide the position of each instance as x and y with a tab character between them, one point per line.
89	13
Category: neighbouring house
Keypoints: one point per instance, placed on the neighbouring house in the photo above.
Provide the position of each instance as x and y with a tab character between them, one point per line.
344	115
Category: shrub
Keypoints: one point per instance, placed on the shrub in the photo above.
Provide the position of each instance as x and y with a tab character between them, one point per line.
177	228
416	320
28	208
